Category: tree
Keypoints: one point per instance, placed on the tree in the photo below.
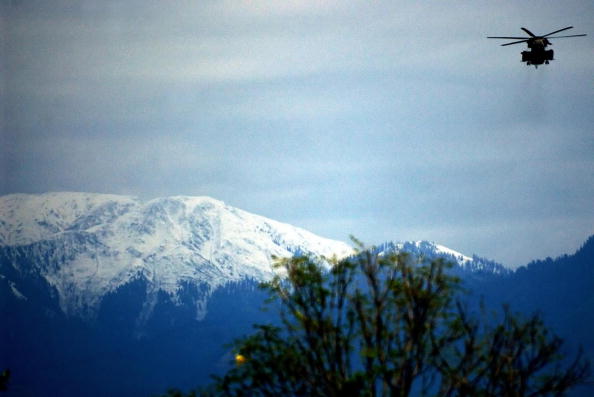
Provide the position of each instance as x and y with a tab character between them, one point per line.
378	325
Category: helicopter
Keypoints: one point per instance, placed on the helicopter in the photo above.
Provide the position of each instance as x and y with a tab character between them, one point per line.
537	53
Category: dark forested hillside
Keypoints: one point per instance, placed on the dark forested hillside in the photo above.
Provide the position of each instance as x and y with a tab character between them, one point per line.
561	289
122	352
118	353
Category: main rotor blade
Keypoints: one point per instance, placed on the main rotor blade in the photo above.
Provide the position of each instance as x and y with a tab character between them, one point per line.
529	32
560	37
557	31
500	37
515	42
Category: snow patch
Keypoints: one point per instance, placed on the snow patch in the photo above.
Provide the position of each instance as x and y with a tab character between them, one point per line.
87	245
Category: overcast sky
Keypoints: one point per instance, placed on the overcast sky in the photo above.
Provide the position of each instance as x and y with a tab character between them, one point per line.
389	120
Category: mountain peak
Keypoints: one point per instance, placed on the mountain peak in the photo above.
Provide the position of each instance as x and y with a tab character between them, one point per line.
86	245
432	250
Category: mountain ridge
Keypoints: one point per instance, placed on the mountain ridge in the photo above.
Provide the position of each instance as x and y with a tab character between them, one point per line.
90	244
86	245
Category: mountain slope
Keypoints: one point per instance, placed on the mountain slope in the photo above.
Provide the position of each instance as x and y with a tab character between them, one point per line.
141	275
87	245
474	265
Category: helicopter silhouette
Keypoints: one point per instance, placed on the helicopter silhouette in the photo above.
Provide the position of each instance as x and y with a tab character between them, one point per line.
537	54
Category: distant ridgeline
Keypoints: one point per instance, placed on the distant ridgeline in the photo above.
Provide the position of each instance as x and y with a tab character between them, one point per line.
430	251
107	295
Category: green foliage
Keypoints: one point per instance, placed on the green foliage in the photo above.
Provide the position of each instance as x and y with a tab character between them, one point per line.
375	325
516	357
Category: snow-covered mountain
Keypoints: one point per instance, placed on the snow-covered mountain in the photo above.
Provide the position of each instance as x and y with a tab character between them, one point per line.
87	245
141	273
431	250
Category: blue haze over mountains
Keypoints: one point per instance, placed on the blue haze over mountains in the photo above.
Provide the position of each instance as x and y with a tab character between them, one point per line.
120	348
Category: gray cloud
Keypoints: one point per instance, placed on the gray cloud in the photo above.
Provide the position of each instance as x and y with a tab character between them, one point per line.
390	120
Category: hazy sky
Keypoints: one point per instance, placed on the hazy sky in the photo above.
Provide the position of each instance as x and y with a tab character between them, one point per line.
389	120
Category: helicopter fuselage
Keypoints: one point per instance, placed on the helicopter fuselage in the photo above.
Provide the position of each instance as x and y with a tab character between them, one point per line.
538	53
